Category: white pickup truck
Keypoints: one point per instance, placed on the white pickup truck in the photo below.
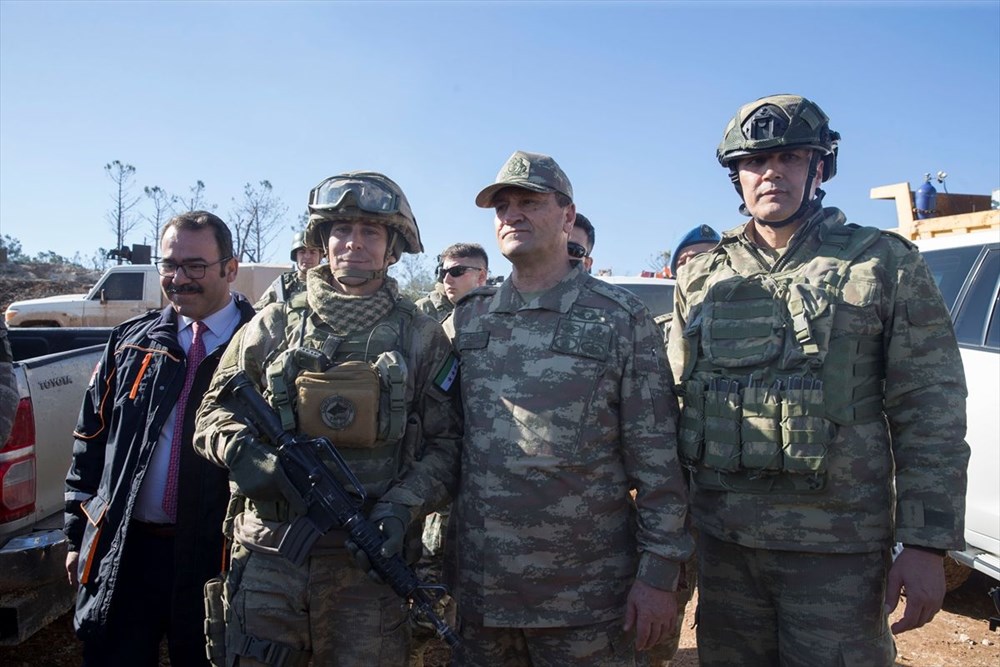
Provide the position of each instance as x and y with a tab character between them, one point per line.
33	465
123	292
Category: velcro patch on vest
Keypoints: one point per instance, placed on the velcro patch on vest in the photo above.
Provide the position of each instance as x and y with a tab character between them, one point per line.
444	379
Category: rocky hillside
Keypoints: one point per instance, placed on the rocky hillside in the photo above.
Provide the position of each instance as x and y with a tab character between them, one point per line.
30	280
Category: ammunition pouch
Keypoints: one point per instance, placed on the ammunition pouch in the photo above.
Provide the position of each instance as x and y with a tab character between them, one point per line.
752	437
340	404
215	623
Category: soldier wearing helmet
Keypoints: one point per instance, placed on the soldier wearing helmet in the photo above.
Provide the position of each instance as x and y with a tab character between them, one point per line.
304	256
352	360
823	416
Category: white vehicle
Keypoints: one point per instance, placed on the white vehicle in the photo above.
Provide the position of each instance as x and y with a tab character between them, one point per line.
967	270
123	292
656	293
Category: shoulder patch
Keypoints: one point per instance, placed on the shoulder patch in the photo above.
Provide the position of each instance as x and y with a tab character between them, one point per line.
620	296
446	375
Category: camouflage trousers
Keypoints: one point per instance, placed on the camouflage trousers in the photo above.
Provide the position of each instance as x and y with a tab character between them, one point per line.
788	608
430	569
326	613
599	645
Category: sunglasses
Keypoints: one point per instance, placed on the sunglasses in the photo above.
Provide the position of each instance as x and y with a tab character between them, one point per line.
575	250
457	270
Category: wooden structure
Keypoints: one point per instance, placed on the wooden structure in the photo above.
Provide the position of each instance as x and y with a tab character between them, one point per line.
957	214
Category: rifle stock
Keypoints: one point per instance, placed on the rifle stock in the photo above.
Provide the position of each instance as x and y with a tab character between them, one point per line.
329	504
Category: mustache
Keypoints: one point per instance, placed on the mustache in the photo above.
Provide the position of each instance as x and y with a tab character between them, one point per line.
183	289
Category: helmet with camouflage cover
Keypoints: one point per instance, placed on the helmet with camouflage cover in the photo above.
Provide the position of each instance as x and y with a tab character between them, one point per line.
364	196
780	123
300	241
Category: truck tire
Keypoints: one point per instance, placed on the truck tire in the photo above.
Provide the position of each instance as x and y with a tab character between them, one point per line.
955	574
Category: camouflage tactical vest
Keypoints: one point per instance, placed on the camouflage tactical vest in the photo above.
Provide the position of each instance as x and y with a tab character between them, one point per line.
350	389
766	385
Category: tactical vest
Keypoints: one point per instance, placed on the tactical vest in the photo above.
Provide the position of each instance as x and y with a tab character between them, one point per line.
350	389
766	385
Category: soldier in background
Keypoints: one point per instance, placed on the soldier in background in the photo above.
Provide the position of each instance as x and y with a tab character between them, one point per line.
700	239
305	257
462	267
567	409
823	416
581	242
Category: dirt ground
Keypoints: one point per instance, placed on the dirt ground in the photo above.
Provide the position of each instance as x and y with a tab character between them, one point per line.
959	636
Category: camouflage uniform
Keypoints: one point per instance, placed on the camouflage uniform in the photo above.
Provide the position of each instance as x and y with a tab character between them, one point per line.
436	303
328	610
283	288
568	408
807	374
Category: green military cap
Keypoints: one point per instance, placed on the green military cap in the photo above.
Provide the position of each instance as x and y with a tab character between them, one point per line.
531	171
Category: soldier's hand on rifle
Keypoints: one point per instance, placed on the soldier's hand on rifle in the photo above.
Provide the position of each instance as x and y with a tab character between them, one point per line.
255	469
392	521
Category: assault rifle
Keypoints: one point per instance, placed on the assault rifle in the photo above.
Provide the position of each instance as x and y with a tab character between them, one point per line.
329	504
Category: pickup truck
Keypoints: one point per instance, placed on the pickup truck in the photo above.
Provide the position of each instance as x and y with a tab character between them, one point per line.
123	292
33	464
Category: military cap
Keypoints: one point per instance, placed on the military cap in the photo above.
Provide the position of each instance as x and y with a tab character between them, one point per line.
531	171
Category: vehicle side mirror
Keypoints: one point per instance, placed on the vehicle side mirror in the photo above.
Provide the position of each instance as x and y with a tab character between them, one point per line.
104	299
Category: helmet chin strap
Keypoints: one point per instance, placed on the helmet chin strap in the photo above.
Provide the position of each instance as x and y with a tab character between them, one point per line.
363	274
805	206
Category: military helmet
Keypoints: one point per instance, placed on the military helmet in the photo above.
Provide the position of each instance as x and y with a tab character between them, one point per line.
779	122
300	241
366	196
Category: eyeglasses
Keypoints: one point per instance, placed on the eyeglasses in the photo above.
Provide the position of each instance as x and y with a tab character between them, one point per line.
575	250
370	196
457	270
193	270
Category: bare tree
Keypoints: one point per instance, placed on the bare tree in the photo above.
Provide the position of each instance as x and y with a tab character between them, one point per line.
659	261
413	275
194	202
122	217
162	204
256	220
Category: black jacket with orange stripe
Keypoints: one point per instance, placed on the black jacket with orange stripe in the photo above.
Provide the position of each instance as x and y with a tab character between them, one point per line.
130	396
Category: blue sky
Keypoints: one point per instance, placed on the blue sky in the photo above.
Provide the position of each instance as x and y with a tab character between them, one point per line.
630	98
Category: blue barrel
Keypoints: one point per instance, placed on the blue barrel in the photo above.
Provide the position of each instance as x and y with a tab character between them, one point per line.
925	200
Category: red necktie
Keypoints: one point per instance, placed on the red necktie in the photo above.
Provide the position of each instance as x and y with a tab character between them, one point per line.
194	357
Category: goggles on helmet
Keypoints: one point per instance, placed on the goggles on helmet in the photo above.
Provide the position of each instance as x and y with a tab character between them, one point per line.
369	196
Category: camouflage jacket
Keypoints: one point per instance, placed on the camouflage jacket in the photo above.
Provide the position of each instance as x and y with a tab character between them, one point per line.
893	401
436	304
568	407
283	288
429	460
